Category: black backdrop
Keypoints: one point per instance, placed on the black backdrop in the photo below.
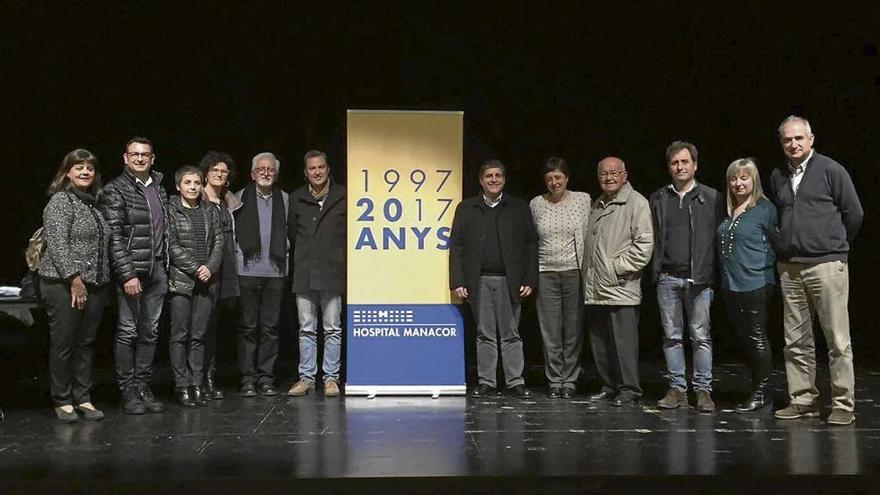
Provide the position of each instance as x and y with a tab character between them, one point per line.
578	80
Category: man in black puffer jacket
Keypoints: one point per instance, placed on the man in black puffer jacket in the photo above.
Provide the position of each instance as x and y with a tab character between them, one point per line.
134	209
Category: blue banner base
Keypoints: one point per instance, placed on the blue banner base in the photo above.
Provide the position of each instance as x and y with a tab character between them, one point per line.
404	349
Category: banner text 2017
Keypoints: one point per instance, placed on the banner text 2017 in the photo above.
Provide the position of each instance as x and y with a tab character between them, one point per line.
413	213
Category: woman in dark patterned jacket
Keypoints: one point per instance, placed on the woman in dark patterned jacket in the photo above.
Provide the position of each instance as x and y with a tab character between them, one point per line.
73	274
195	249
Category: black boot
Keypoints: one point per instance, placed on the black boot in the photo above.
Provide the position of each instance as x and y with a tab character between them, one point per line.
760	398
199	396
211	390
184	398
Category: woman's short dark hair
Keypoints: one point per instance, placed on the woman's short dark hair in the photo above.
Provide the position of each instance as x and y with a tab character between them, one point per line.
187	170
212	158
60	182
556	164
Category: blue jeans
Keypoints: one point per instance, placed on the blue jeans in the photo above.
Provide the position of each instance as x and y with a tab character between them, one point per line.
137	329
677	298
307	305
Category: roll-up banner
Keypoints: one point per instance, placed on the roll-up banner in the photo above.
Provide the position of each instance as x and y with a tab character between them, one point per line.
404	334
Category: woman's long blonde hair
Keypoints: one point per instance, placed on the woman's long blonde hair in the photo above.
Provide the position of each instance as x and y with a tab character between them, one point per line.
733	170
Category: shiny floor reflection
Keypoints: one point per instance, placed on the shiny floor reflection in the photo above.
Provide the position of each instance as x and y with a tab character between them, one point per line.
314	437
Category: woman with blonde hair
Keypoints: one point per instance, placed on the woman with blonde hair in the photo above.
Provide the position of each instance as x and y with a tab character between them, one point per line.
747	276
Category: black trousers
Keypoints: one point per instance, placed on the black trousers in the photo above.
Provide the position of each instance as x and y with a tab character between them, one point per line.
189	325
259	310
748	312
222	307
71	340
614	340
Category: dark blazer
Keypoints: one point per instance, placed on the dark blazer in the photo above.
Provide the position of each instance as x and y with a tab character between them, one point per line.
707	207
128	220
818	224
317	240
516	235
182	264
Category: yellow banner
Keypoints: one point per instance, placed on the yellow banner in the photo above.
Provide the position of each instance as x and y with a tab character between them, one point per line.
404	181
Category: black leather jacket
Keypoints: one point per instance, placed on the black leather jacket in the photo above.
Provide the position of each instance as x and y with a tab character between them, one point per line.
131	232
707	208
182	246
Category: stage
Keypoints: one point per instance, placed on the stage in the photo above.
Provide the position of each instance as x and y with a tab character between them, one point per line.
452	444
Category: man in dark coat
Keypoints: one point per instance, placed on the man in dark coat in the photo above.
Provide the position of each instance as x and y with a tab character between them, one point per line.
134	207
493	264
685	215
316	230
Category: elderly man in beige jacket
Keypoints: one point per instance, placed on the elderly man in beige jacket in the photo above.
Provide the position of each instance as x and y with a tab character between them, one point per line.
618	245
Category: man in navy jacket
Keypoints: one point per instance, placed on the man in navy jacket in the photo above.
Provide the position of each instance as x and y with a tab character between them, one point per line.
819	216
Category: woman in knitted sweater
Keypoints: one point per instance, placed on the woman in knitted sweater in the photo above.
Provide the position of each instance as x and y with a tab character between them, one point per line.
561	220
73	274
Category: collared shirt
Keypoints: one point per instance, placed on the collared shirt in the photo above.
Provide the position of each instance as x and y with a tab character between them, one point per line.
144	183
681	195
493	204
797	174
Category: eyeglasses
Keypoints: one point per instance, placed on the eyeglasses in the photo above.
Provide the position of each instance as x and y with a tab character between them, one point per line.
613	174
137	154
218	171
264	171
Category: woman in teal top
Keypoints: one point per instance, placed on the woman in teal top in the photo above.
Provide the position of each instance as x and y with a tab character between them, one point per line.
747	276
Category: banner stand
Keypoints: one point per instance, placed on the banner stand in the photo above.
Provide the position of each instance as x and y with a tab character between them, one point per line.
404	332
371	391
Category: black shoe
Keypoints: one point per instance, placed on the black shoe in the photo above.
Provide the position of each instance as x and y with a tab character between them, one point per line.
184	398
759	399
603	395
151	404
131	403
625	400
65	417
211	390
199	396
554	393
483	391
248	390
90	414
267	390
568	393
521	392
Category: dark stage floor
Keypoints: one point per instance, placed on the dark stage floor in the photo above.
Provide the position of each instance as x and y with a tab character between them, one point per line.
447	445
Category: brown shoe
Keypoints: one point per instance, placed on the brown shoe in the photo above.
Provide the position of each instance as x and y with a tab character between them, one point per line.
331	388
839	417
705	404
300	388
794	411
674	398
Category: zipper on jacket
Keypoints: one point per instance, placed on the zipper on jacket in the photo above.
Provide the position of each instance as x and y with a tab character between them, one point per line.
130	240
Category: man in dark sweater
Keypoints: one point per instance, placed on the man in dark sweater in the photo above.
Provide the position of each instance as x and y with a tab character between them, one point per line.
685	215
493	264
819	216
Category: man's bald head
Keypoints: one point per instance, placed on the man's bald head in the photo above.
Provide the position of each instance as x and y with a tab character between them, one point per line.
612	174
